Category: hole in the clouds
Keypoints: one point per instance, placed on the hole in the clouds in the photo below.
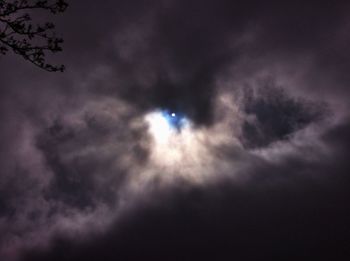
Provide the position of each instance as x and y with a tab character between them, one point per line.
165	123
176	148
175	120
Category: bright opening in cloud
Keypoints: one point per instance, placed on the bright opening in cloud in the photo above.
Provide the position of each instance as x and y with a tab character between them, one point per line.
159	127
174	139
178	149
164	124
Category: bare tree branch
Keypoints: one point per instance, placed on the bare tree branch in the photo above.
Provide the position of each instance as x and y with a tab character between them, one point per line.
19	34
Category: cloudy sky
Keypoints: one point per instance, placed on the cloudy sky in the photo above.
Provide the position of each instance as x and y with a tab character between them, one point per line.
180	130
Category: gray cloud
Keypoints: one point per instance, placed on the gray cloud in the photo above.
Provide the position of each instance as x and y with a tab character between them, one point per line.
264	173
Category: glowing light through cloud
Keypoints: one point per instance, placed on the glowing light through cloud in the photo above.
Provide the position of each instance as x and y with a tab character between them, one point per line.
159	127
172	135
178	150
163	124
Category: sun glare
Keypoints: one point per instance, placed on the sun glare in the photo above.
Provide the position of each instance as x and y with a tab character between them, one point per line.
177	149
159	127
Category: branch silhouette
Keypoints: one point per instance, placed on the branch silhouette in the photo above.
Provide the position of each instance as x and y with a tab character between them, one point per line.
31	41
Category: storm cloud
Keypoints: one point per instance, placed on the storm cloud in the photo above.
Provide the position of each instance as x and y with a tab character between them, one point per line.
259	172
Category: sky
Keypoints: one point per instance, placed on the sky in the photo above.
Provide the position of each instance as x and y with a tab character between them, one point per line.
180	130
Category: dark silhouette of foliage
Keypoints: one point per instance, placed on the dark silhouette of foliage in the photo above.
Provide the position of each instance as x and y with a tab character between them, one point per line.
20	34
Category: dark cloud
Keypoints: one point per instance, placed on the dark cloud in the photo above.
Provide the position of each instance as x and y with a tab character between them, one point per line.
275	116
265	176
283	214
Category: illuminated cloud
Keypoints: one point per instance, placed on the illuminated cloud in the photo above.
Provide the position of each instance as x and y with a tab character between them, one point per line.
199	130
